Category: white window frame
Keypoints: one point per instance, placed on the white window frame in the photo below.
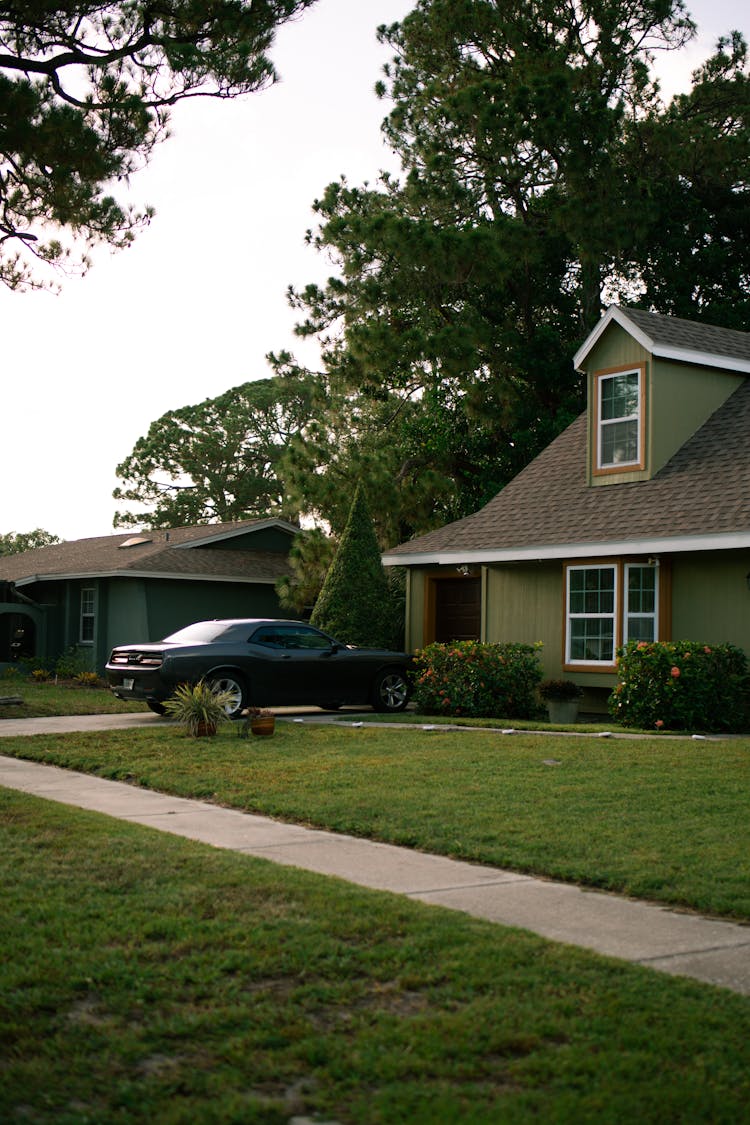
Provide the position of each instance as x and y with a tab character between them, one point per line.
602	423
613	616
627	612
88	613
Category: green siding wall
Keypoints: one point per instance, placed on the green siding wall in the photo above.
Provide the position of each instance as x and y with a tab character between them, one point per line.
614	349
524	603
415	591
682	398
710	598
269	539
679	399
127	617
173	604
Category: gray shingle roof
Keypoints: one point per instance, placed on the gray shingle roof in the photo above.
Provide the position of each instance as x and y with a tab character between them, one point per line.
671	337
162	552
703	490
678	333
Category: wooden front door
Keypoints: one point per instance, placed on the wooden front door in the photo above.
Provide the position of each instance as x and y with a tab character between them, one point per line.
458	609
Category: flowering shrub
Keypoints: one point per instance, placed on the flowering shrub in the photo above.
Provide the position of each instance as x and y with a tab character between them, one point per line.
680	685
478	680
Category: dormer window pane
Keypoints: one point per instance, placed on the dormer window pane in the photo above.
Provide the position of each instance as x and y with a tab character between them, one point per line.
619	419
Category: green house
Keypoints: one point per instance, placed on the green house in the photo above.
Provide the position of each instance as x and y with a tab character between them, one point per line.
633	524
91	594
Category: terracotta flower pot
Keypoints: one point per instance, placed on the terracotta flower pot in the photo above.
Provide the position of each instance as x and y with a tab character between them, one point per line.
205	730
263	725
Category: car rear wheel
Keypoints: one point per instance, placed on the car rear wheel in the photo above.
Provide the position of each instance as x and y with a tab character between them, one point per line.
155	706
231	682
390	691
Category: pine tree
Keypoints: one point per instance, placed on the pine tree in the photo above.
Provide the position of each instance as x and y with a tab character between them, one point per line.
355	604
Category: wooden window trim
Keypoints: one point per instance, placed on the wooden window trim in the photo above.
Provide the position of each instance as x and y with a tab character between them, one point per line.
663	629
593	564
632	466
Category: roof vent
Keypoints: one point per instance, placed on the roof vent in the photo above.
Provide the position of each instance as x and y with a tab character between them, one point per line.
136	541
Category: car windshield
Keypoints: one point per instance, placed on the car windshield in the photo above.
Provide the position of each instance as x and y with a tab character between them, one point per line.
203	632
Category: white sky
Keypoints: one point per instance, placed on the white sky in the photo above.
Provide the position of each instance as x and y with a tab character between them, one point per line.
194	306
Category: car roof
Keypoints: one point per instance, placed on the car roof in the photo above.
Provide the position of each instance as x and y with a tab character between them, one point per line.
251	621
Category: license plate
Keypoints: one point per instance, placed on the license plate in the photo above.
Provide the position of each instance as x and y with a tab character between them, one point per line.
128	684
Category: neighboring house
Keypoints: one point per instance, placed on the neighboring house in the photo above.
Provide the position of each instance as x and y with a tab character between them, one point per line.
137	586
633	523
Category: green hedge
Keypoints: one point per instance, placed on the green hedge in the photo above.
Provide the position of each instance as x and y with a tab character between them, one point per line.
681	685
478	680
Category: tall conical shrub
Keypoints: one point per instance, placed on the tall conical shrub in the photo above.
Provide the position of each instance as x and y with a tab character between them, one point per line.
355	604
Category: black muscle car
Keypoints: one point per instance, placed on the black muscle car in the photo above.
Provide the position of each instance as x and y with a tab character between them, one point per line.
263	663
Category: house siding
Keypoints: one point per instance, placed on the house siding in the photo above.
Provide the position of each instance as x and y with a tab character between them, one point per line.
170	605
127	616
264	539
524	604
682	397
710	597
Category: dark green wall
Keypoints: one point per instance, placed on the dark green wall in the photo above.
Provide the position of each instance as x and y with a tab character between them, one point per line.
173	604
269	539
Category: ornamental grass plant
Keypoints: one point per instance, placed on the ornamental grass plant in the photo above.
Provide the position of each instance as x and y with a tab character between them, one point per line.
198	707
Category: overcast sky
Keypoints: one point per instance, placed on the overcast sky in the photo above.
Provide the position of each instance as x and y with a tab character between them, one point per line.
194	306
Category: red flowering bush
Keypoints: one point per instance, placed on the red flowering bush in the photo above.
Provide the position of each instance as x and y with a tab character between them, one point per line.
478	680
681	685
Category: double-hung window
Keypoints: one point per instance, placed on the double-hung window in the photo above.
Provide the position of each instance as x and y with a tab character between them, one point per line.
619	420
641	602
608	604
88	614
592	615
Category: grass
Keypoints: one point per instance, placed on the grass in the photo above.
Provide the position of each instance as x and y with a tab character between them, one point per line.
64	698
147	978
662	819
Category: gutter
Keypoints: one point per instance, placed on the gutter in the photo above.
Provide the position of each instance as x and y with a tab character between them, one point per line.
653	545
85	575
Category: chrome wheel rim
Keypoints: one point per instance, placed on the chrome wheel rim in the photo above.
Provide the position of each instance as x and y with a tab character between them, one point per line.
226	683
393	691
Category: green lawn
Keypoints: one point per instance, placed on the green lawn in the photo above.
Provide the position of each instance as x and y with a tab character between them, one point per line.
664	819
64	698
145	978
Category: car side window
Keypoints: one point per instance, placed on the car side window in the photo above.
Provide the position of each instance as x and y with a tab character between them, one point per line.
291	637
311	639
270	637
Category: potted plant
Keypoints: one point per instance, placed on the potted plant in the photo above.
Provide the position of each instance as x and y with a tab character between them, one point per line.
260	720
562	698
199	708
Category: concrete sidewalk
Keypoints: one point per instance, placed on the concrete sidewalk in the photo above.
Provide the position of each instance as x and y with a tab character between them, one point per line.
711	951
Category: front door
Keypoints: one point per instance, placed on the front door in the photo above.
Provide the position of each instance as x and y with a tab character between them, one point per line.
457	609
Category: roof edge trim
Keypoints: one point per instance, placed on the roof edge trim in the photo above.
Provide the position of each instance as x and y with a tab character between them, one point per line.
649	546
254	525
85	575
662	351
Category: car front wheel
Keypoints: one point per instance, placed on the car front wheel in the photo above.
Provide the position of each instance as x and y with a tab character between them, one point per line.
229	681
390	691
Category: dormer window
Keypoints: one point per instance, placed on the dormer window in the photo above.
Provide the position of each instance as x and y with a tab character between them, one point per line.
619	420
